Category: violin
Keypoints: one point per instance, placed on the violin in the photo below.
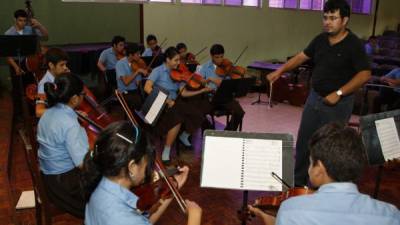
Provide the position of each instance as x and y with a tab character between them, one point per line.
150	193
140	64
226	68
120	55
273	202
194	81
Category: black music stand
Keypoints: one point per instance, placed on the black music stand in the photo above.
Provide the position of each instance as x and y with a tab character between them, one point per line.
372	143
19	46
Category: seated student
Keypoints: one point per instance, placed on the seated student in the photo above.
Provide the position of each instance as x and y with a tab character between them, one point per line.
388	96
56	60
337	159
127	79
63	144
208	72
372	46
178	112
118	164
109	58
152	46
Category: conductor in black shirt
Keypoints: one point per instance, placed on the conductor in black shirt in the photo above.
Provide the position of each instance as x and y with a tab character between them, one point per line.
340	68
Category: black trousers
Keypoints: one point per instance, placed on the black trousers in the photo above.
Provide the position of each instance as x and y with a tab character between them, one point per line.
236	111
64	191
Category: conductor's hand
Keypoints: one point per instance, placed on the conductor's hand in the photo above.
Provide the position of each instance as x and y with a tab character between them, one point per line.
272	77
332	98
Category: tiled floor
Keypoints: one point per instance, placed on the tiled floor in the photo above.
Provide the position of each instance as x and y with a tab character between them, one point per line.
219	206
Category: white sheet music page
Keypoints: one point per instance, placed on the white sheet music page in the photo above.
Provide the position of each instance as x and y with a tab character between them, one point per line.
388	137
156	107
261	158
222	160
244	164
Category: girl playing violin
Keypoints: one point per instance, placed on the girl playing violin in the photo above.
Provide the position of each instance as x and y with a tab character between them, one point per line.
208	72
127	78
63	144
117	164
337	159
187	59
178	112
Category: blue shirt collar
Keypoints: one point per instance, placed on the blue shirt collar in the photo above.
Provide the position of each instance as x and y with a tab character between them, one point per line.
120	192
165	68
339	187
70	111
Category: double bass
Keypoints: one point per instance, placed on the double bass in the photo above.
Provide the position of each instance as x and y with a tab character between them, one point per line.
36	64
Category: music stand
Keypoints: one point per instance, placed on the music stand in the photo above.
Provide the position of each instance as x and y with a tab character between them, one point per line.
19	46
372	142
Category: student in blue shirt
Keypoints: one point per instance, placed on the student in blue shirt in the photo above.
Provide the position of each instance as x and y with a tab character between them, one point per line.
127	79
337	160
18	70
118	164
108	60
208	72
388	96
152	46
56	60
63	144
178	111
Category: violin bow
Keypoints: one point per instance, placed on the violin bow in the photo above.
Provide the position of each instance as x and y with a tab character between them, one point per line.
240	55
201	50
280	180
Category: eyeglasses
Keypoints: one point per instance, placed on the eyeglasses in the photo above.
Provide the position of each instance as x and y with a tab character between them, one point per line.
331	18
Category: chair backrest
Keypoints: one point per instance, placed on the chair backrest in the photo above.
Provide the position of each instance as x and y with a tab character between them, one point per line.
31	147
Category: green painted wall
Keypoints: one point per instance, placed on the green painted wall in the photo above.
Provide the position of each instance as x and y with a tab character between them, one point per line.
269	33
76	22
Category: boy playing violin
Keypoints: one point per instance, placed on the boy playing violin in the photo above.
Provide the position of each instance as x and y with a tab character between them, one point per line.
152	45
337	159
208	72
127	79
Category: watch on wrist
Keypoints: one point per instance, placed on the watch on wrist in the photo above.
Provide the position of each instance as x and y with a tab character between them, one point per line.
339	92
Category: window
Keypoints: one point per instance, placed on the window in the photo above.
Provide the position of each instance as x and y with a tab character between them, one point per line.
288	4
357	6
360	6
254	3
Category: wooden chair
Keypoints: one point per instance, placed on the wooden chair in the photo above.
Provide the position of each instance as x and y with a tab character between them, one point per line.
45	210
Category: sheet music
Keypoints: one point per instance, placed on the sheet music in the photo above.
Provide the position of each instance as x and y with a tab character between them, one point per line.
388	137
244	164
156	107
261	158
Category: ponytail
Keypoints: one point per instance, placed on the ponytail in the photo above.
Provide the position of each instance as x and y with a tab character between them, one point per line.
115	147
65	86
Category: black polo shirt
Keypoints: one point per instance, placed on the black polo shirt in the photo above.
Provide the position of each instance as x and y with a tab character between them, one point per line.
335	65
